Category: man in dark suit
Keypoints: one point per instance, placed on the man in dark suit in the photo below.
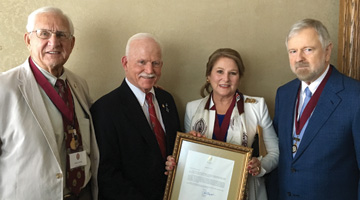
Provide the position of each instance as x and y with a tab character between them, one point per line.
319	146
133	143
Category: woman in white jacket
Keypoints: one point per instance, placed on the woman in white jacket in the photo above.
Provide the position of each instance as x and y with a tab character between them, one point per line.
227	115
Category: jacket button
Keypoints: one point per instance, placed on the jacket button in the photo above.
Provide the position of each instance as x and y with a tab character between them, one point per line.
59	175
293	170
289	194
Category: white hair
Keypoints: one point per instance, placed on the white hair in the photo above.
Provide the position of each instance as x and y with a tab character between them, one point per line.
321	30
140	36
31	18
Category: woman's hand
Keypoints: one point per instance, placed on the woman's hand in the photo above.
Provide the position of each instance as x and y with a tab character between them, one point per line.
254	166
169	164
196	134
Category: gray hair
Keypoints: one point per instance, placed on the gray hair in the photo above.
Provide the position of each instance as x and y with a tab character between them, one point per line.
31	18
140	36
321	30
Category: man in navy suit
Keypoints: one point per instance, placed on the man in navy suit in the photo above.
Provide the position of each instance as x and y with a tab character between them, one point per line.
132	157
319	146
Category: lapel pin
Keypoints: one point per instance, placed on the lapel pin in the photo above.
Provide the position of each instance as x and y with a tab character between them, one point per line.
250	100
165	106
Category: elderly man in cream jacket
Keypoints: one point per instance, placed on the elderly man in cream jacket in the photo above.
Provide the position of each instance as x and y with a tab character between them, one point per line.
35	159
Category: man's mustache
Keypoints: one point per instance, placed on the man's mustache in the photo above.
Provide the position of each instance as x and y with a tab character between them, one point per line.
301	64
146	75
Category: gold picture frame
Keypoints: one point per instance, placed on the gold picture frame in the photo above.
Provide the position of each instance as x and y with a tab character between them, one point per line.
207	169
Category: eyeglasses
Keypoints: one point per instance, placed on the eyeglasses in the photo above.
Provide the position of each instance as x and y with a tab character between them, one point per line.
46	34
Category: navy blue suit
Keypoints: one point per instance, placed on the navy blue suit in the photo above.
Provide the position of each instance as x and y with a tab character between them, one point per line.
131	164
326	165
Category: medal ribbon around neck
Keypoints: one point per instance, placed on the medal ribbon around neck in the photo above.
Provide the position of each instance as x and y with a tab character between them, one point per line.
299	124
67	112
220	131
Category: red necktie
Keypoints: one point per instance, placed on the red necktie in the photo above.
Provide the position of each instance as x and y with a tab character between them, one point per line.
159	132
74	177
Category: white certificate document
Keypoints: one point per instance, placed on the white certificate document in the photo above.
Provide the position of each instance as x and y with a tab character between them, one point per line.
206	177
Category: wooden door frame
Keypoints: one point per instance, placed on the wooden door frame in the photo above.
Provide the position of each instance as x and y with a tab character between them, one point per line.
348	38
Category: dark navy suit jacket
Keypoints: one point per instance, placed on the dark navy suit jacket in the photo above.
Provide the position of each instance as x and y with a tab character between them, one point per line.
326	165
131	165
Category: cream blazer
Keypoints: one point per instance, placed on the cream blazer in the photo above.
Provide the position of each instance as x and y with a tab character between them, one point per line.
29	157
256	113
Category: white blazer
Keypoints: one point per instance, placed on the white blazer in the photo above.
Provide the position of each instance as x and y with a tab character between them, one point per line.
256	113
29	158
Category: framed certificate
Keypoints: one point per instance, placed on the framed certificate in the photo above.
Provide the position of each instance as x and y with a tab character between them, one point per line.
207	169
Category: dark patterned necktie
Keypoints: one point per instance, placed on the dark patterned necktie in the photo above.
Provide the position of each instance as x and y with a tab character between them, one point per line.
158	130
74	177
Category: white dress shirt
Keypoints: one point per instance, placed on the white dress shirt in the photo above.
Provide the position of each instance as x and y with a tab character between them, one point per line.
140	95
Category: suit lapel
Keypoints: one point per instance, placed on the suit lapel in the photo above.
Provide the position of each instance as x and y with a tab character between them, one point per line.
326	105
31	93
167	115
288	120
164	109
75	89
135	113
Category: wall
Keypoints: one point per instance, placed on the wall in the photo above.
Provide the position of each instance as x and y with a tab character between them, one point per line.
190	30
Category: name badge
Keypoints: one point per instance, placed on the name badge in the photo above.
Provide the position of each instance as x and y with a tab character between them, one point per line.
77	159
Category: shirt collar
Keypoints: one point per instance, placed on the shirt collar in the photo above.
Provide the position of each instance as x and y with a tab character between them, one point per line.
51	78
140	95
314	85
